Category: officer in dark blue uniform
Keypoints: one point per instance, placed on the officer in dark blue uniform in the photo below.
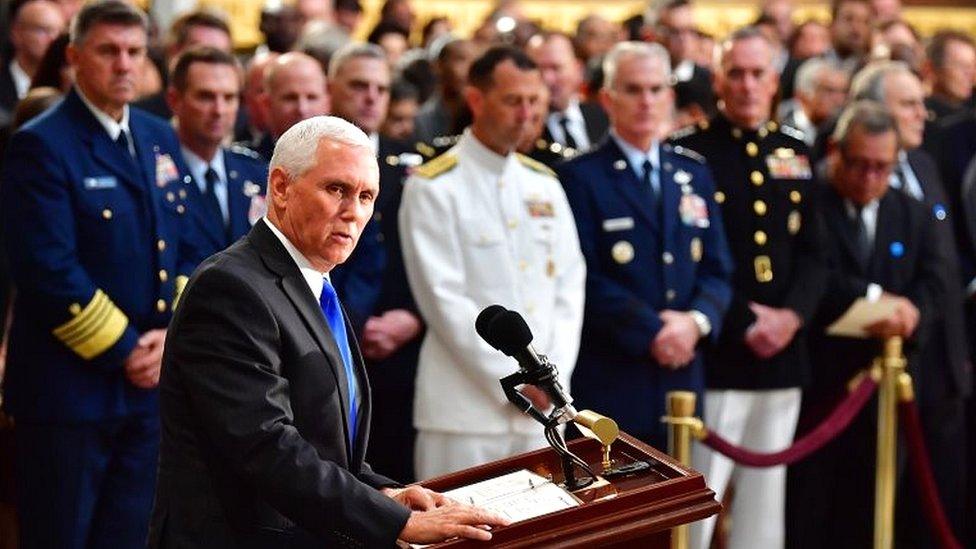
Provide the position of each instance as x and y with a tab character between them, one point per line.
229	183
98	253
658	266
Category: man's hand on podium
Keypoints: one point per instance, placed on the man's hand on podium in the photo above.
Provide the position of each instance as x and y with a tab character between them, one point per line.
436	517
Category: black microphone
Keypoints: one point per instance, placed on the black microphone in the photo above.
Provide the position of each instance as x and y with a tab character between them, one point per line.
484	320
508	332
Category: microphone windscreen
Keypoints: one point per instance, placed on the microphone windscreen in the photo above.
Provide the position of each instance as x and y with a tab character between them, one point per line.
509	333
482	323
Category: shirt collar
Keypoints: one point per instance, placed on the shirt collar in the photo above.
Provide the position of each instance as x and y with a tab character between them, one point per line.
573	113
22	80
871	208
636	157
487	158
314	278
198	166
111	126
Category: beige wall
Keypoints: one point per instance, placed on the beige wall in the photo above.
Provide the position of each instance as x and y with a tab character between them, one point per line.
716	17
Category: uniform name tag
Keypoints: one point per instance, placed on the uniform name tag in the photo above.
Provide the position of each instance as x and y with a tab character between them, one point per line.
618	224
104	182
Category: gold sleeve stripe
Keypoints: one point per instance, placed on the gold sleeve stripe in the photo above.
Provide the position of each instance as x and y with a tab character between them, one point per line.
93	330
180	283
84	317
102	310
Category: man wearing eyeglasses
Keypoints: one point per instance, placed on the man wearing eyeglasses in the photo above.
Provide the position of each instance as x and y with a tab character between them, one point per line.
881	242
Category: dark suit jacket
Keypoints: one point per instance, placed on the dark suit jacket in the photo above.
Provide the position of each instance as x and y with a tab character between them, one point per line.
946	369
254	416
596	122
907	260
8	92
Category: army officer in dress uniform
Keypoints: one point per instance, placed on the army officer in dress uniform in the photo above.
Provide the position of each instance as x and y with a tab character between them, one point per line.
754	373
658	266
98	261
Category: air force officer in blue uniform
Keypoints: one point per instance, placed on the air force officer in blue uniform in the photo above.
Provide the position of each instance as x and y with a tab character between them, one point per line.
229	182
97	254
658	266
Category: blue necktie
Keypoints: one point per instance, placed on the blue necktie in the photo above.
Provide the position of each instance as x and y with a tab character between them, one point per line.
329	302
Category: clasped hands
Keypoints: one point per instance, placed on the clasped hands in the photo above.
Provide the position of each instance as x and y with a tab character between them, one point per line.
142	366
674	344
383	335
435	517
772	330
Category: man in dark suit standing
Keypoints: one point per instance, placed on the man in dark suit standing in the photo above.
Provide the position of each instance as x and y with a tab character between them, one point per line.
34	24
373	283
658	267
880	242
98	253
944	380
265	402
570	123
228	182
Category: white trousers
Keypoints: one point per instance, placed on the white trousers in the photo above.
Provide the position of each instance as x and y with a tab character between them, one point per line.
764	421
438	453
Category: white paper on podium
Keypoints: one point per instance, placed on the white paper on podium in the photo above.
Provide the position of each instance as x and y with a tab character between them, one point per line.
861	314
517	496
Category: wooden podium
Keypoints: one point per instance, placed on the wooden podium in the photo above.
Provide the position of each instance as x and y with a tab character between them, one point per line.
632	511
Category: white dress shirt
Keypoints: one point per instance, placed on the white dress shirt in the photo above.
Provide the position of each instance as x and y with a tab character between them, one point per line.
113	127
636	157
21	79
575	123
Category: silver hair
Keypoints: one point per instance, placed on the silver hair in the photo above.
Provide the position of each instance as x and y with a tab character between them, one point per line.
739	35
354	51
868	83
295	150
633	49
806	77
870	116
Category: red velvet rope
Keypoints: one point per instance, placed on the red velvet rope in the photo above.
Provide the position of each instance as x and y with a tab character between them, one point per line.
833	425
918	458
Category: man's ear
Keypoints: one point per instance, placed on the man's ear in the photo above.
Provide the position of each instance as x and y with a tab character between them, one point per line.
278	181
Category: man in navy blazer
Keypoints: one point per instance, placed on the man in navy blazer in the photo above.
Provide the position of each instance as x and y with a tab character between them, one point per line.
658	266
99	249
228	182
265	401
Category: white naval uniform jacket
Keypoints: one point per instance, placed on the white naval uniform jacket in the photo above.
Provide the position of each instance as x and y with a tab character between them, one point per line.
478	229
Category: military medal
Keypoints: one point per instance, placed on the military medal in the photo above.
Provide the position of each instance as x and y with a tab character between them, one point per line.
622	252
786	164
165	169
251	188
682	177
693	211
540	208
696	249
793	222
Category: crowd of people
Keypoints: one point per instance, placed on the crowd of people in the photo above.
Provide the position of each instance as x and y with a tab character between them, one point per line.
669	210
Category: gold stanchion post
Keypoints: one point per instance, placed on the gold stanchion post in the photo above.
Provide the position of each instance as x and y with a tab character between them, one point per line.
680	418
893	365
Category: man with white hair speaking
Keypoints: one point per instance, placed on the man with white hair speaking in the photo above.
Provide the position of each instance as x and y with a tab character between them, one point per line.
265	404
